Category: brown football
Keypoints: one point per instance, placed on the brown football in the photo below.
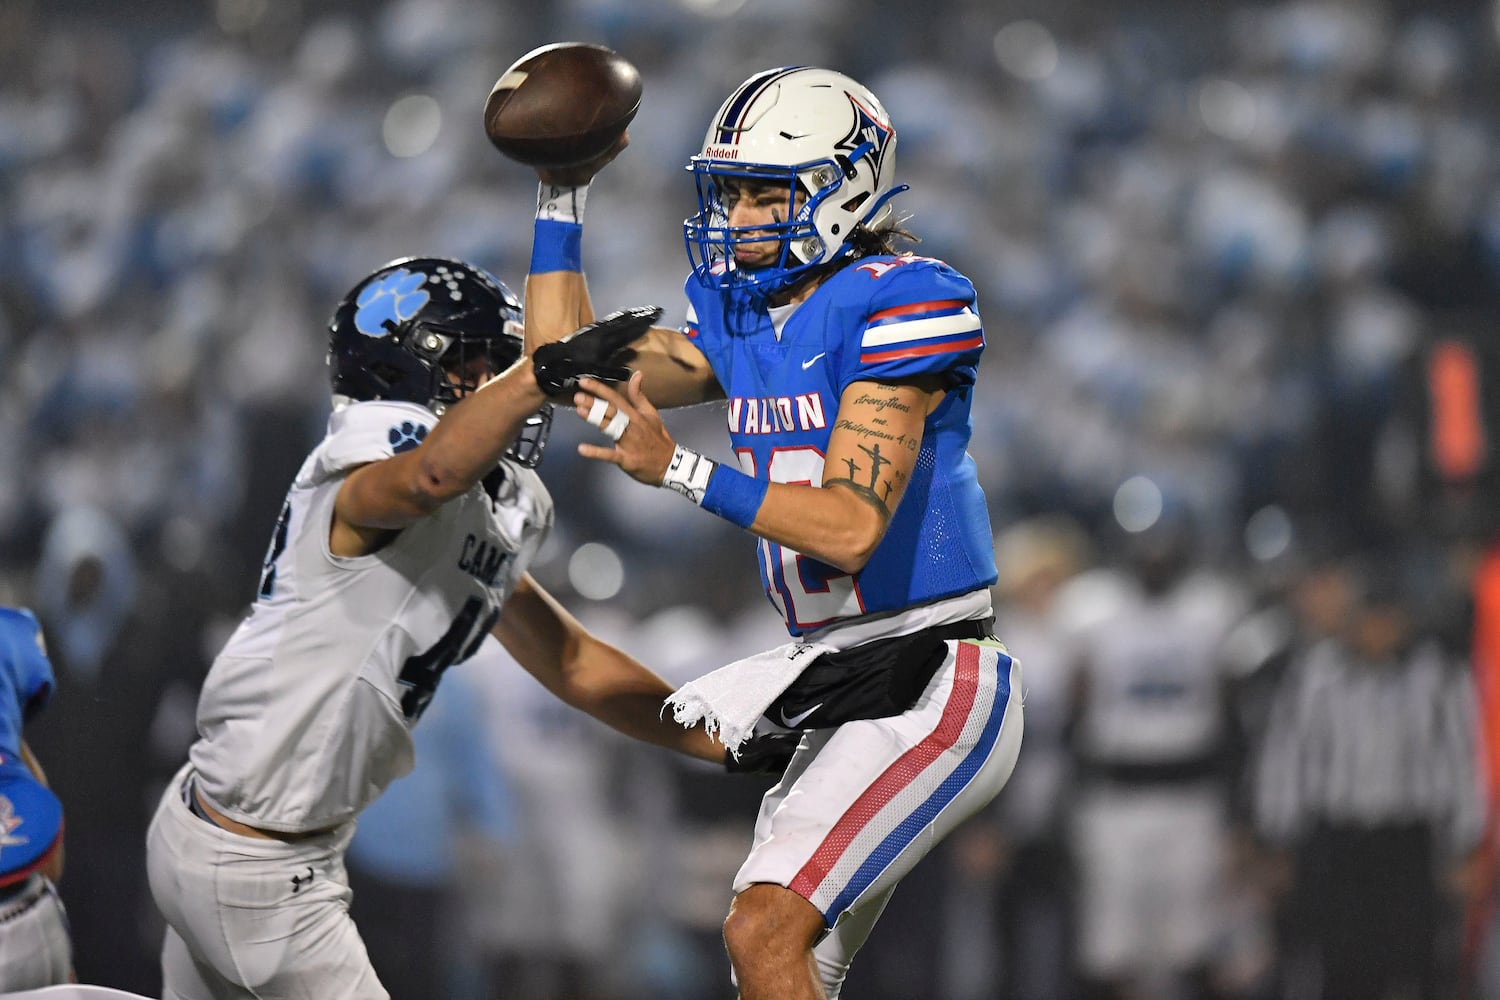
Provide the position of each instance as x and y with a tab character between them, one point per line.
562	104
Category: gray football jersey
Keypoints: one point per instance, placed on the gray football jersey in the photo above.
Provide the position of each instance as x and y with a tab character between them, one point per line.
306	714
1155	681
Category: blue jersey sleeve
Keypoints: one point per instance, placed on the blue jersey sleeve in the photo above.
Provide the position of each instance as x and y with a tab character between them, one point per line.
27	680
704	325
909	316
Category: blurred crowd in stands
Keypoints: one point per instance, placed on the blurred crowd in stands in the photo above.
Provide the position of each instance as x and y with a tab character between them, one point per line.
1238	421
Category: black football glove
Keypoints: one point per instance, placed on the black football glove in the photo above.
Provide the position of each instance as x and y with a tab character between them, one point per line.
763	753
594	351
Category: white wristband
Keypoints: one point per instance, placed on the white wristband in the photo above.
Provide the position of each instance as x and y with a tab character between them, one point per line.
561	204
688	473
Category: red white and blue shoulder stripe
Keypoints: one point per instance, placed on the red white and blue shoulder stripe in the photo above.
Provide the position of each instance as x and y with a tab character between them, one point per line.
915	316
917	329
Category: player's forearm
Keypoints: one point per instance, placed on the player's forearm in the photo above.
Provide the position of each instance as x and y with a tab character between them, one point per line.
676	372
641	716
837	524
557	303
470	439
557	293
829	524
458	452
591	675
625	695
872	453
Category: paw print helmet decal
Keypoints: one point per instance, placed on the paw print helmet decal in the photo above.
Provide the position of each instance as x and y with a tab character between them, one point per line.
426	330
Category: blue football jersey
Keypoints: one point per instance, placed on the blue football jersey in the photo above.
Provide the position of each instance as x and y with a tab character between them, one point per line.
26	680
784	371
30	814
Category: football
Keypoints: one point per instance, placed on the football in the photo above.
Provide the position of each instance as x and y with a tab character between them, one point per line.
562	104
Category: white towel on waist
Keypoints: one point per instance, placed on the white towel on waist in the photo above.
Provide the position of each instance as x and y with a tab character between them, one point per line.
731	699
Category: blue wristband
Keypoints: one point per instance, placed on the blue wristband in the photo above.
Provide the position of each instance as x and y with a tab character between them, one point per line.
734	496
556	246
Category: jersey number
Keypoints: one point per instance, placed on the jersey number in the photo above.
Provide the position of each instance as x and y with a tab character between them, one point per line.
805	599
420	673
274	550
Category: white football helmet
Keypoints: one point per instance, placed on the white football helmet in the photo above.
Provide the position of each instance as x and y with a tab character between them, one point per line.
809	129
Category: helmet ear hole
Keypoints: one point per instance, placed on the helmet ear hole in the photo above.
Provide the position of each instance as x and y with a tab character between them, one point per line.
386	375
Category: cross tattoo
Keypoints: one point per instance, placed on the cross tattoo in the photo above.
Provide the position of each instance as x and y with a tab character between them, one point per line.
876	461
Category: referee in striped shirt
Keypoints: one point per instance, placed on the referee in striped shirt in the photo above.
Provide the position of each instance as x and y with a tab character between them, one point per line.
1368	778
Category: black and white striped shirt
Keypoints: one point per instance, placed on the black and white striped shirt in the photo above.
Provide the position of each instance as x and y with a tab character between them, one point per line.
1353	743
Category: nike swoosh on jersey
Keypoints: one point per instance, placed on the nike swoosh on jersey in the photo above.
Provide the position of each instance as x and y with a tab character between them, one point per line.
812	361
792	722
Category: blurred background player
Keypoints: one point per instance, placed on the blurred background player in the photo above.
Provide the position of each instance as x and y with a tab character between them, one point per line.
1008	926
849	372
403	540
572	888
1151	735
35	949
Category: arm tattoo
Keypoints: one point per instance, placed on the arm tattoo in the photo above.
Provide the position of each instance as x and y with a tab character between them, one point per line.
877	492
876	461
884	403
874	484
902	440
866	494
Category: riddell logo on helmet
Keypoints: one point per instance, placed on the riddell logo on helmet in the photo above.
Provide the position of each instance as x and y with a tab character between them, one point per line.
722	153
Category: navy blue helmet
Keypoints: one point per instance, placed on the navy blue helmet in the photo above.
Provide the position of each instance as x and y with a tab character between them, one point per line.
426	330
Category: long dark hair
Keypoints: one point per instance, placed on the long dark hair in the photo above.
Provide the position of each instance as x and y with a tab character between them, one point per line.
867	242
864	242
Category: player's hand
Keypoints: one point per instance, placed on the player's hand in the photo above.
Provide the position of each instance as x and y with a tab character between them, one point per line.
580	174
642	445
764	753
596	351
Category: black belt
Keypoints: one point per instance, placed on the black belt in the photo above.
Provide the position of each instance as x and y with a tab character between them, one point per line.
974	628
15	889
874	680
